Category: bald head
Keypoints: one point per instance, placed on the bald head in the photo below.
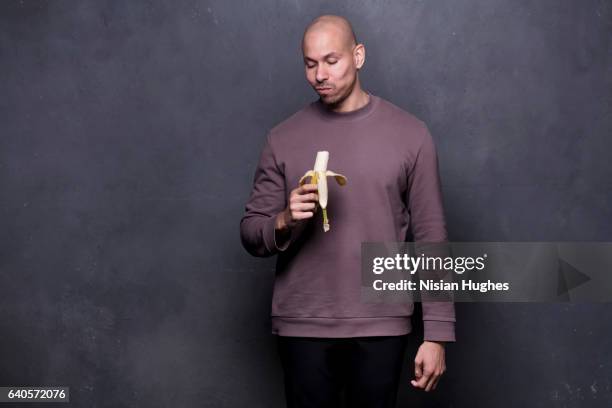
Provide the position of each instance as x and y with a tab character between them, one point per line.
337	26
332	59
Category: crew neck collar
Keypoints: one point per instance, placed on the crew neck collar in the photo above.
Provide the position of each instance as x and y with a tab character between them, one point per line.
356	114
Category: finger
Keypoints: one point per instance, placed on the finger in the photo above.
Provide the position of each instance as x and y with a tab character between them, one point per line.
302	206
307	188
302	215
421	382
308	197
418	368
434	374
438	379
431	381
435	383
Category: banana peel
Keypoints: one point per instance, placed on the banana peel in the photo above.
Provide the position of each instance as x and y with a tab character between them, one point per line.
318	175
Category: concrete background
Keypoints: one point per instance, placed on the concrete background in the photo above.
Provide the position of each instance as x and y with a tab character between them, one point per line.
129	134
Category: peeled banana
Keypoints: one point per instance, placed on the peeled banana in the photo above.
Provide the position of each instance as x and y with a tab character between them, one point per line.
318	176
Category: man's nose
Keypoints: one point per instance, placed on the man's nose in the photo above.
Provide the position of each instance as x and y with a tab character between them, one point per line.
321	74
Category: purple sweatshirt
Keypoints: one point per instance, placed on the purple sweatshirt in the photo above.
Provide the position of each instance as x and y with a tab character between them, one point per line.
390	161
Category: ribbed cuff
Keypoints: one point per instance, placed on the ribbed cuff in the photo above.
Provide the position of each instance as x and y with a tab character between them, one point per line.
269	236
437	330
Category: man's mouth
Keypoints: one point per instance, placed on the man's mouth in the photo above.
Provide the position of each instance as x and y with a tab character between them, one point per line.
323	90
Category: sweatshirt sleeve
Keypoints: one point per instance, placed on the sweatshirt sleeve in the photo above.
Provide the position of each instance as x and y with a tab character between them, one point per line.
266	201
428	226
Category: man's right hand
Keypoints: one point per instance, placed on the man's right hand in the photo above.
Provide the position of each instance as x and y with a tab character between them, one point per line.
303	202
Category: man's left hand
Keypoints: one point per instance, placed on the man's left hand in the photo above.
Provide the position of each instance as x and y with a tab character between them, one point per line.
429	365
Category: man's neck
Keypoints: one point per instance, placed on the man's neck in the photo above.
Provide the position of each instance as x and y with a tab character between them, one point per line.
354	101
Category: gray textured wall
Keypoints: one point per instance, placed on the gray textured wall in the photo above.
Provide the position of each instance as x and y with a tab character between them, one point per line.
129	133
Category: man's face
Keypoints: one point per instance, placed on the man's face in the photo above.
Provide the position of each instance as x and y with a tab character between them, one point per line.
329	64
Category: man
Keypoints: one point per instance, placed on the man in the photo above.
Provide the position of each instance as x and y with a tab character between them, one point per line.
328	339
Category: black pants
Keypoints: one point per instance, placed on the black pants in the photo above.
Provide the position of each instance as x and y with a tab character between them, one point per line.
317	370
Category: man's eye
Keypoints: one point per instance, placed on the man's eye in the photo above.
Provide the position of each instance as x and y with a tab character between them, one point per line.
310	66
332	62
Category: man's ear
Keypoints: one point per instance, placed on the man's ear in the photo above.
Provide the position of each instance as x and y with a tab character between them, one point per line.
359	54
